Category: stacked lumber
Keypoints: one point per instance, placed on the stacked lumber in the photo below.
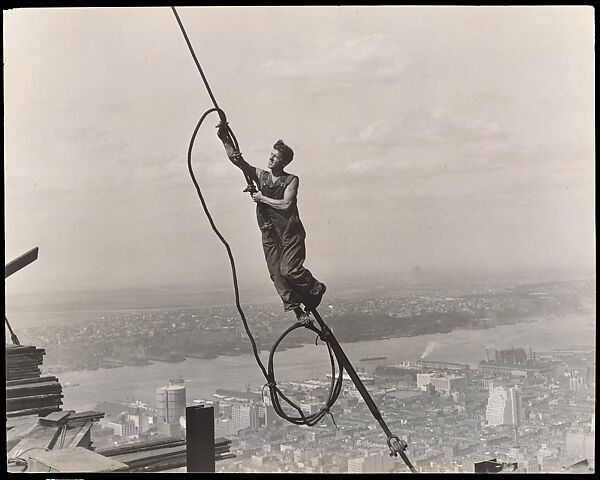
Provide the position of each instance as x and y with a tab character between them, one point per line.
159	455
22	361
27	392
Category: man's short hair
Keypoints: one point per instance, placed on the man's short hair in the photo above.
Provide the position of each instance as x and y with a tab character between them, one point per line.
287	154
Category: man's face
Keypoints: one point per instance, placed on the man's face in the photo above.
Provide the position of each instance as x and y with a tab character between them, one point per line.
276	160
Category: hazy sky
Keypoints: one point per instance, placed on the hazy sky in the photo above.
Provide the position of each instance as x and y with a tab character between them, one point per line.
425	138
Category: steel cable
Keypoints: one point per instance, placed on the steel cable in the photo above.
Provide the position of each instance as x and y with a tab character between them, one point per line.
324	333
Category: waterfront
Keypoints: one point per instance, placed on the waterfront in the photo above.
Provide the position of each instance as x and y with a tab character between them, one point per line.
204	376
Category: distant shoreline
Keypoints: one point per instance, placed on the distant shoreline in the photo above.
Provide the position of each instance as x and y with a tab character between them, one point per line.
210	297
206	375
147	360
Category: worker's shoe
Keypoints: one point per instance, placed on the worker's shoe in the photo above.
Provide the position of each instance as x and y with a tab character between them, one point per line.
316	296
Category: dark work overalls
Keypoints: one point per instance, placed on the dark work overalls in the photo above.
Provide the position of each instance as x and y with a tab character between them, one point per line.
283	243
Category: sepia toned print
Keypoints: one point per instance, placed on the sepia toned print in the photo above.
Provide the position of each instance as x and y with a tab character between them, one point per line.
166	260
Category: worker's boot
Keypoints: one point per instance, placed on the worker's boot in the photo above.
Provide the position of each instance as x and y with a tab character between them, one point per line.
314	299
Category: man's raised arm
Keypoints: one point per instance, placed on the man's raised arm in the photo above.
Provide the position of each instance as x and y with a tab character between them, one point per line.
235	156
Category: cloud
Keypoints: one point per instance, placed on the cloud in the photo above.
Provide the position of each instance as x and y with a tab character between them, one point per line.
378	132
424	143
429	127
442	126
339	63
360	166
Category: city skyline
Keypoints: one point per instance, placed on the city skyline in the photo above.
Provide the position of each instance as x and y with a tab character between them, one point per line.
463	431
425	360
427	140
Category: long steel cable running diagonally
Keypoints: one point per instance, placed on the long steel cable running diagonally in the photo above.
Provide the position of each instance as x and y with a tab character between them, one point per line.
275	393
336	354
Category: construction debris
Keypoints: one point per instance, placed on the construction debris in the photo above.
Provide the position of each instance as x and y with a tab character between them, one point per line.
77	460
59	430
160	455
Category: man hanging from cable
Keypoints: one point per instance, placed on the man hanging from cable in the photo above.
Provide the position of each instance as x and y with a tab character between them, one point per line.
283	234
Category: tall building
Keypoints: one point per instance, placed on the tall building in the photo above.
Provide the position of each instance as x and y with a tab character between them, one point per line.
528	464
124	428
445	384
377	463
577	382
451	383
141	421
244	416
267	417
580	445
591	374
225	409
423	379
310	407
504	406
225	427
170	402
170	408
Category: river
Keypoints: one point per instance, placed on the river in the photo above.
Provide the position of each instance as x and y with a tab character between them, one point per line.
204	376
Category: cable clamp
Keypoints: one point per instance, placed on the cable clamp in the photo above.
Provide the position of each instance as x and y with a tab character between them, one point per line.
325	335
270	385
396	445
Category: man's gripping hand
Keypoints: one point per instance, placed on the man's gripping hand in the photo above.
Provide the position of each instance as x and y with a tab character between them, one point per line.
223	130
